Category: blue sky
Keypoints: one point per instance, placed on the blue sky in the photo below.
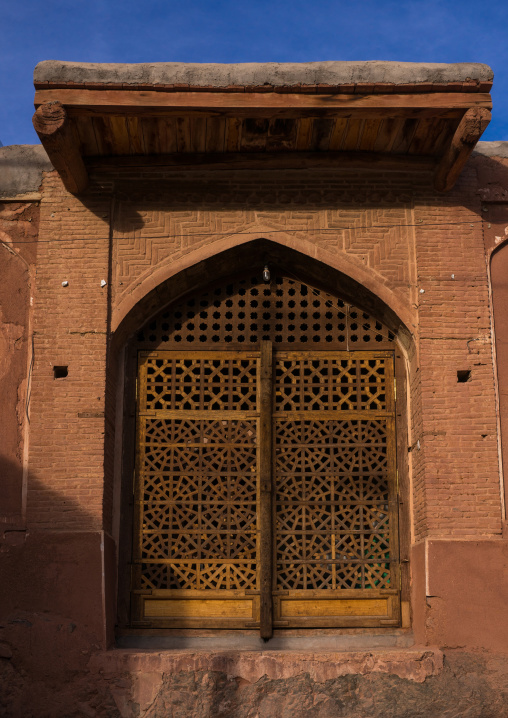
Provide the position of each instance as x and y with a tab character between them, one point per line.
248	31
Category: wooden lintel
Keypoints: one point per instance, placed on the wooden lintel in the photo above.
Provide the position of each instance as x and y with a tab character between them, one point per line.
251	104
467	134
58	138
271	161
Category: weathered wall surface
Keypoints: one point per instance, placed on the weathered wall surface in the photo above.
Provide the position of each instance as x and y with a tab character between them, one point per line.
21	173
65	488
339	686
18	253
491	164
458	436
422	255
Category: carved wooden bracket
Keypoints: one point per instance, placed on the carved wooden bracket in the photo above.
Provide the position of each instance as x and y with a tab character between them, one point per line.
57	134
470	129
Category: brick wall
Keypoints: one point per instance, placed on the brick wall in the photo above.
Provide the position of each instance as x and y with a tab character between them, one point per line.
70	330
18	254
458	420
387	231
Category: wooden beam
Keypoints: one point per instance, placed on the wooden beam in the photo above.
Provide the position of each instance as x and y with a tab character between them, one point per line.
467	134
58	138
258	104
229	161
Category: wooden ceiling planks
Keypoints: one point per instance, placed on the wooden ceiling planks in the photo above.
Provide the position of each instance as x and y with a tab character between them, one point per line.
105	122
352	136
111	135
304	134
215	134
338	134
281	135
233	134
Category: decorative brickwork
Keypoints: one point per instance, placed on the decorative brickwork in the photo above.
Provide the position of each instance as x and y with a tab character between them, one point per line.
154	229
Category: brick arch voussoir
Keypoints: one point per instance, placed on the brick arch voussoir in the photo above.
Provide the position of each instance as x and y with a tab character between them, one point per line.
148	295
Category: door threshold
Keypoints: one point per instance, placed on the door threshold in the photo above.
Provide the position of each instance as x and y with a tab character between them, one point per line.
398	638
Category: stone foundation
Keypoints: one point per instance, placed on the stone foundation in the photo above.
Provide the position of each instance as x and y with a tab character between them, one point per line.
198	684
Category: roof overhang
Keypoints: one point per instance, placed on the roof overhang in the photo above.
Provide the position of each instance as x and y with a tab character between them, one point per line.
369	114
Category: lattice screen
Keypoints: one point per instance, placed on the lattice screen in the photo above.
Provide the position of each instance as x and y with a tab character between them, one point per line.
202	439
333	516
242	312
334	503
197	489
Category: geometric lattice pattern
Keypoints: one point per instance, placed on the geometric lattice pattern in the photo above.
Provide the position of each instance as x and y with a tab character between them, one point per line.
246	310
198	504
330	384
332	483
200	383
198	459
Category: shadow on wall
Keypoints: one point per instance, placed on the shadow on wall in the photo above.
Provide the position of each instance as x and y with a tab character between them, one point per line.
52	593
492	174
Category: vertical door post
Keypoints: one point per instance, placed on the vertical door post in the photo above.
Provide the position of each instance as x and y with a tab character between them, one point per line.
265	477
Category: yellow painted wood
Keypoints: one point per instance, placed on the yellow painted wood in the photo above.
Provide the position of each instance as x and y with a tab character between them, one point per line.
333	607
406	614
196	608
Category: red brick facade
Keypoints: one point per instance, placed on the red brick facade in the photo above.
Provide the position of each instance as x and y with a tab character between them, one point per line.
420	254
424	260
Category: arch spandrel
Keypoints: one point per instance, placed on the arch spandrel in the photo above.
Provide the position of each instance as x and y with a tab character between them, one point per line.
337	274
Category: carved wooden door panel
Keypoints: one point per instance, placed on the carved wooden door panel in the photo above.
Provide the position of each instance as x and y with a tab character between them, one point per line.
335	509
196	552
265	490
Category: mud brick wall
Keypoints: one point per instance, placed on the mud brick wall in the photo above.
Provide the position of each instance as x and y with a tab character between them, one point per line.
458	419
70	330
135	228
19	224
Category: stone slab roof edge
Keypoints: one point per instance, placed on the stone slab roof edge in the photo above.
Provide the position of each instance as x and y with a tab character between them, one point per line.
21	168
492	149
257	74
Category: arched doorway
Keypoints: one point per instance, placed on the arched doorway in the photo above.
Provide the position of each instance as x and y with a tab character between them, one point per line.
266	488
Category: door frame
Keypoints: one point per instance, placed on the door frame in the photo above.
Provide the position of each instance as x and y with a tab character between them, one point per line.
262	603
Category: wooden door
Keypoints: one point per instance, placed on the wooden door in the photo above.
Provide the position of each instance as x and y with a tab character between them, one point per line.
196	550
265	490
335	510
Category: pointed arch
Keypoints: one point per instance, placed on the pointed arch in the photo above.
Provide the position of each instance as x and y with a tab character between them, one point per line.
338	275
173	278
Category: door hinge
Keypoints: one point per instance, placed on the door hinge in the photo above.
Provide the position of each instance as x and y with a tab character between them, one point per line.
395	388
